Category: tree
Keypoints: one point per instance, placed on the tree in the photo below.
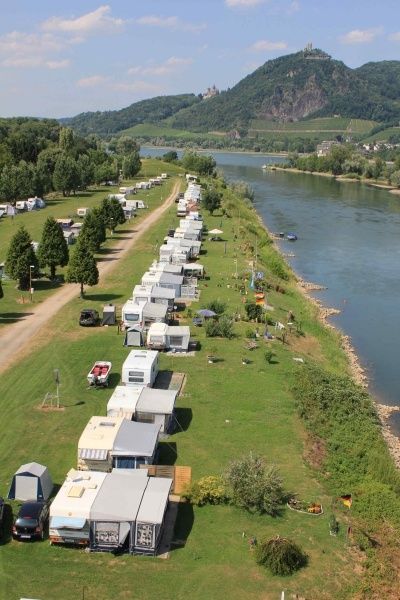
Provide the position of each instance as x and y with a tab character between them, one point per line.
254	311
211	199
20	258
66	174
45	166
280	555
66	140
126	145
112	213
53	249
82	266
86	171
93	230
105	171
131	165
170	156
255	486
201	163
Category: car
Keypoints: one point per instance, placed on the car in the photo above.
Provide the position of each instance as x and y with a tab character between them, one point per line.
89	317
31	520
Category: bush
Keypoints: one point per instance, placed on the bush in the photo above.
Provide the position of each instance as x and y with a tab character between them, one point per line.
268	355
254	485
254	311
221	328
207	490
217	306
280	555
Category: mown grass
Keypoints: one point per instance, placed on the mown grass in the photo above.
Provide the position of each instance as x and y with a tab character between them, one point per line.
152	130
227	409
15	302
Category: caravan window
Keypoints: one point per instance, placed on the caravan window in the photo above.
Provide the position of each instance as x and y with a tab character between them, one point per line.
132	317
136	377
124	462
176	340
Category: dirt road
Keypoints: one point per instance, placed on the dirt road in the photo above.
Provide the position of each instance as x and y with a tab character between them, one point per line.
17	338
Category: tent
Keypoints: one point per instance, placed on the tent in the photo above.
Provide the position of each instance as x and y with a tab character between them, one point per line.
31	482
109	315
134	336
150	517
113	512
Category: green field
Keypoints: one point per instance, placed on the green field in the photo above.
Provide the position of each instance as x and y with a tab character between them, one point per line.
321	128
149	130
227	409
382	136
16	302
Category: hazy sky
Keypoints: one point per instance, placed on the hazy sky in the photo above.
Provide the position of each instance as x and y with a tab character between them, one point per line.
58	58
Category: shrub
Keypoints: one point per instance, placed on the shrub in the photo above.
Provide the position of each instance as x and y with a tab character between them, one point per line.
280	555
268	355
221	328
217	306
333	525
255	486
207	490
254	311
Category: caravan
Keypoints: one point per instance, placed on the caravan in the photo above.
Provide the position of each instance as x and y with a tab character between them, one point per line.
140	368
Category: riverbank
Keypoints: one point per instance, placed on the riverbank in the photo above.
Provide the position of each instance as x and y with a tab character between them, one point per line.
340	178
217	151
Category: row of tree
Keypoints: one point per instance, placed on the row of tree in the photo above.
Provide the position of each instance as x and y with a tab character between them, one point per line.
343	159
64	164
23	263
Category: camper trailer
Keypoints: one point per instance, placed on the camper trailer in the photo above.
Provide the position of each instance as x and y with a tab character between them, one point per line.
115	442
21	205
168	337
82	212
123	401
132	313
70	509
120	197
140	368
143	313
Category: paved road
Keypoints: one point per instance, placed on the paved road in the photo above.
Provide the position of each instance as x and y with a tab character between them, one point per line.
17	337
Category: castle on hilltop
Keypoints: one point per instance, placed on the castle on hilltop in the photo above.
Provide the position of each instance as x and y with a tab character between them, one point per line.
311	53
210	92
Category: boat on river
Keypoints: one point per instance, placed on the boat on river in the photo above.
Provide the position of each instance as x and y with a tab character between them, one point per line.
264	167
291	237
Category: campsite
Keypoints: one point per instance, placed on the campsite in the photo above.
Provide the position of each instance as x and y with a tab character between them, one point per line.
221	412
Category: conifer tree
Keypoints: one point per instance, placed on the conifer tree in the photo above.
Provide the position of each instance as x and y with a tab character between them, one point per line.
82	266
93	230
53	249
112	213
21	261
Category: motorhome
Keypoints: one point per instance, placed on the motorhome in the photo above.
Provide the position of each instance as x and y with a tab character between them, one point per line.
140	368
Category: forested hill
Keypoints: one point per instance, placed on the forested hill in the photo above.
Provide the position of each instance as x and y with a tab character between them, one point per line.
153	110
298	86
295	87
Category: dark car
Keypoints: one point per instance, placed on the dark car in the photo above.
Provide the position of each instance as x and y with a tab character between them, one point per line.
31	521
89	317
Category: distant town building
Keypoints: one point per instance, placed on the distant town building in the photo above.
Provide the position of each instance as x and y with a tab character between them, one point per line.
325	147
211	92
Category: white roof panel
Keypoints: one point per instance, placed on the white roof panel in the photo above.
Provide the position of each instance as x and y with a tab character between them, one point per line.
155	401
155	500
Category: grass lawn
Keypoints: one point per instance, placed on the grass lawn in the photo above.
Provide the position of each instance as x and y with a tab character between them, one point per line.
152	130
226	409
15	303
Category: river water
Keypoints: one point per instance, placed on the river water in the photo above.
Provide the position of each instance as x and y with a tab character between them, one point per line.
349	241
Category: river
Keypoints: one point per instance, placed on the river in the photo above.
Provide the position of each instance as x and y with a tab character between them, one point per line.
348	241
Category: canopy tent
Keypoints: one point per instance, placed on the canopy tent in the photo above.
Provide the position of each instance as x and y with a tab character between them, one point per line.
206	313
150	517
215	231
31	482
134	336
109	315
135	444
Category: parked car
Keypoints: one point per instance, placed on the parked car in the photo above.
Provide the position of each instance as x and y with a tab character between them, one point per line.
89	317
31	520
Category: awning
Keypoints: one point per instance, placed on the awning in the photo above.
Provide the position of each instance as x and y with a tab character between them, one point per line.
67	523
92	454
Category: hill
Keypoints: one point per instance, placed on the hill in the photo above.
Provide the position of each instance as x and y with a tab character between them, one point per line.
291	89
153	110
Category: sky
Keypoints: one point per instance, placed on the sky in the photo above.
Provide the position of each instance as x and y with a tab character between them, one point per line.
61	58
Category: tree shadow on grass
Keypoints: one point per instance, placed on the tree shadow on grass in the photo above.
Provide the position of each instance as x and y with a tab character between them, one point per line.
102	297
13	317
